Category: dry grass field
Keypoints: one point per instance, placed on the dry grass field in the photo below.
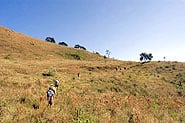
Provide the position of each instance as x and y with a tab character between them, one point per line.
152	92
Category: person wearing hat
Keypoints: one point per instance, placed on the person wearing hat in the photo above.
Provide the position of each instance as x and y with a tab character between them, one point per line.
50	96
56	83
53	88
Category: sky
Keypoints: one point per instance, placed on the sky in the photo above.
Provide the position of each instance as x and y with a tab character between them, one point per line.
124	27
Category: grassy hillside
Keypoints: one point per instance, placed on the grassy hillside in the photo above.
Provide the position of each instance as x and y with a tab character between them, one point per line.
24	47
137	93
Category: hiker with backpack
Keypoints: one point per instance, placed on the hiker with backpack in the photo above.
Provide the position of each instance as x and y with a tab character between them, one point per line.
50	96
52	87
51	91
56	83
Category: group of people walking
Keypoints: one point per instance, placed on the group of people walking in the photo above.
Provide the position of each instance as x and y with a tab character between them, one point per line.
51	92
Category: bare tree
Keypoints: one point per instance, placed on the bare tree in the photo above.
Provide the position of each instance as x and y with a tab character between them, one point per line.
108	53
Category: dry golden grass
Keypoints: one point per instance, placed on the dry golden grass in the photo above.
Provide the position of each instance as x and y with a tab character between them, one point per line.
141	93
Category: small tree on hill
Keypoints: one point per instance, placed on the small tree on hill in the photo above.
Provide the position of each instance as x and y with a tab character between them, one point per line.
146	57
79	47
164	58
63	43
50	39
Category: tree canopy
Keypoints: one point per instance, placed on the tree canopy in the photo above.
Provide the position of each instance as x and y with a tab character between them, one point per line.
79	47
146	57
50	39
63	43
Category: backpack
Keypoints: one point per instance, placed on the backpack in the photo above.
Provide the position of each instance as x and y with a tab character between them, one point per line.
56	83
52	89
49	93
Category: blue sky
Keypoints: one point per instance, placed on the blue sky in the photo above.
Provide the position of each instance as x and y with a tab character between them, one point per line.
125	27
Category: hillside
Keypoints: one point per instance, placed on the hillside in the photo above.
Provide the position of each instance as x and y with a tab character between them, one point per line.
107	91
22	46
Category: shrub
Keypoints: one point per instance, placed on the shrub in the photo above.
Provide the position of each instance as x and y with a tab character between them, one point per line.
51	72
22	100
76	56
130	118
81	117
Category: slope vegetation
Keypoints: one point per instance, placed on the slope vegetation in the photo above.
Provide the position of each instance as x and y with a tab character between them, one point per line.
107	91
24	47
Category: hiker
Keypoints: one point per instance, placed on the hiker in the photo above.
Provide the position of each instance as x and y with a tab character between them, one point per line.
78	75
50	96
53	88
56	83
